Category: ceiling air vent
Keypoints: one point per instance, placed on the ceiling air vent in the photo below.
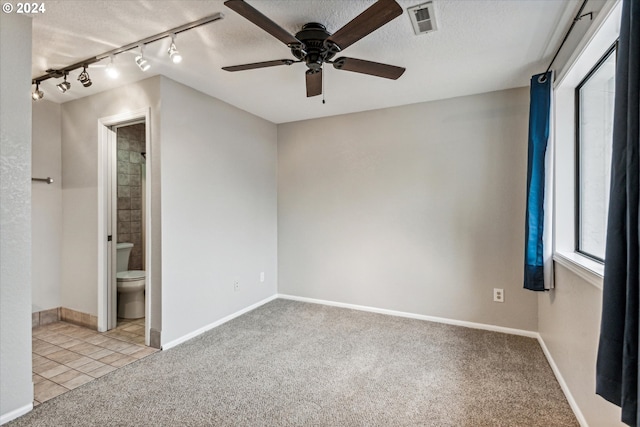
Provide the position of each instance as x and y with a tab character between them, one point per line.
423	18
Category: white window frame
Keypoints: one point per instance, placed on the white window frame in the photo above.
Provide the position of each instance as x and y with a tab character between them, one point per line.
610	54
601	35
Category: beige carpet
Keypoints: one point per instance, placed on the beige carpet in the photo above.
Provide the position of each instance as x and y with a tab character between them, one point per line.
294	364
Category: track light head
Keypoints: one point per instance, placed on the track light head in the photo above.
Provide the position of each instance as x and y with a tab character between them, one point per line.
37	94
65	85
112	70
173	52
84	78
141	61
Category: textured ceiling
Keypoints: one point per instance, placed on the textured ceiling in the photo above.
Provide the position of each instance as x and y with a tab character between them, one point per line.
480	46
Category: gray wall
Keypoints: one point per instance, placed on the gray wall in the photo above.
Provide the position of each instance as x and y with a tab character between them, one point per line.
569	323
219	209
216	221
417	208
16	389
46	213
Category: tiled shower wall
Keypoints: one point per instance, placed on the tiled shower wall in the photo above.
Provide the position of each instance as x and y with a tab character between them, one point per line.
130	160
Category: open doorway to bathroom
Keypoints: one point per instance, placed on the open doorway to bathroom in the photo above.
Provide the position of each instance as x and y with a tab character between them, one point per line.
128	217
125	285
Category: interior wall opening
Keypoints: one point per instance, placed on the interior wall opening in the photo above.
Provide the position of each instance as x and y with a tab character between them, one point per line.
128	221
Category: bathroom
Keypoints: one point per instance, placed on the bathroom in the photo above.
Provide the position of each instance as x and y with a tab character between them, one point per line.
131	173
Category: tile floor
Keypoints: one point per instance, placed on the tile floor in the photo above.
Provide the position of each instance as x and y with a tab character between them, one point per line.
66	356
129	330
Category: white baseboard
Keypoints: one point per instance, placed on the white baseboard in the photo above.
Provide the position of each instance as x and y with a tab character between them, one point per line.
474	325
10	416
563	384
210	326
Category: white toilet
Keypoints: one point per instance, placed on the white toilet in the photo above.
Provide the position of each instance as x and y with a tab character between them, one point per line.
131	285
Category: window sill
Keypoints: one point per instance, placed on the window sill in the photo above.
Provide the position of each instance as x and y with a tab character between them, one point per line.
588	269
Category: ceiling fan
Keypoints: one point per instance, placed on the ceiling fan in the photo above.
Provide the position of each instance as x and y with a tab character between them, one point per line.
314	45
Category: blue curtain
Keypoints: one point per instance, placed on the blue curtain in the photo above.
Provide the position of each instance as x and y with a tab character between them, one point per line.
617	367
539	117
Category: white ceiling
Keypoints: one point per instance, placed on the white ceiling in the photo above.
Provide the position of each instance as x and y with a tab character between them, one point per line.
480	46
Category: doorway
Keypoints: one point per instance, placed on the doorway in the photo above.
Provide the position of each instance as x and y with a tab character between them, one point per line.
124	222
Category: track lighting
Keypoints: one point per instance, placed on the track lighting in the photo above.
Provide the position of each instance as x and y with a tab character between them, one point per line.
112	70
65	85
37	93
84	78
141	61
173	52
110	67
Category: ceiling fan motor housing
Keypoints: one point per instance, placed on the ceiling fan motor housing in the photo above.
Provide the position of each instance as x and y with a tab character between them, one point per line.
313	52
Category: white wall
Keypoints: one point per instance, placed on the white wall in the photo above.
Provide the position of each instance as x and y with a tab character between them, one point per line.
417	208
46	200
80	190
16	388
219	209
569	323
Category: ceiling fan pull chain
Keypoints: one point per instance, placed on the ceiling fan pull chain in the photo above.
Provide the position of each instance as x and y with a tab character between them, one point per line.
324	89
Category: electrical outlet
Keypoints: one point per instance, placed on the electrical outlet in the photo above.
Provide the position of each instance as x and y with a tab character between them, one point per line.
262	277
236	285
498	295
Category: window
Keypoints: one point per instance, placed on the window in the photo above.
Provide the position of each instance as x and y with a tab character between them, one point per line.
594	131
581	161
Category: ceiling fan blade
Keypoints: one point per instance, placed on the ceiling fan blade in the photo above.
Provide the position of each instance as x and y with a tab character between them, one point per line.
368	21
314	83
368	67
253	15
259	65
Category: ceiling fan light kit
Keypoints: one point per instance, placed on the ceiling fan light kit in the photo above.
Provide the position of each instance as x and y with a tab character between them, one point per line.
314	46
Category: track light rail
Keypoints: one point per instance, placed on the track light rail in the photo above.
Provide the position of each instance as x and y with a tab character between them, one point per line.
84	63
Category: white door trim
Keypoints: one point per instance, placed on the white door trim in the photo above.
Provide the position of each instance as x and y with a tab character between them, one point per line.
107	251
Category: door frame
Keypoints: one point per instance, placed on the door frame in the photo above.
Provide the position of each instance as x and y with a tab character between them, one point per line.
107	217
